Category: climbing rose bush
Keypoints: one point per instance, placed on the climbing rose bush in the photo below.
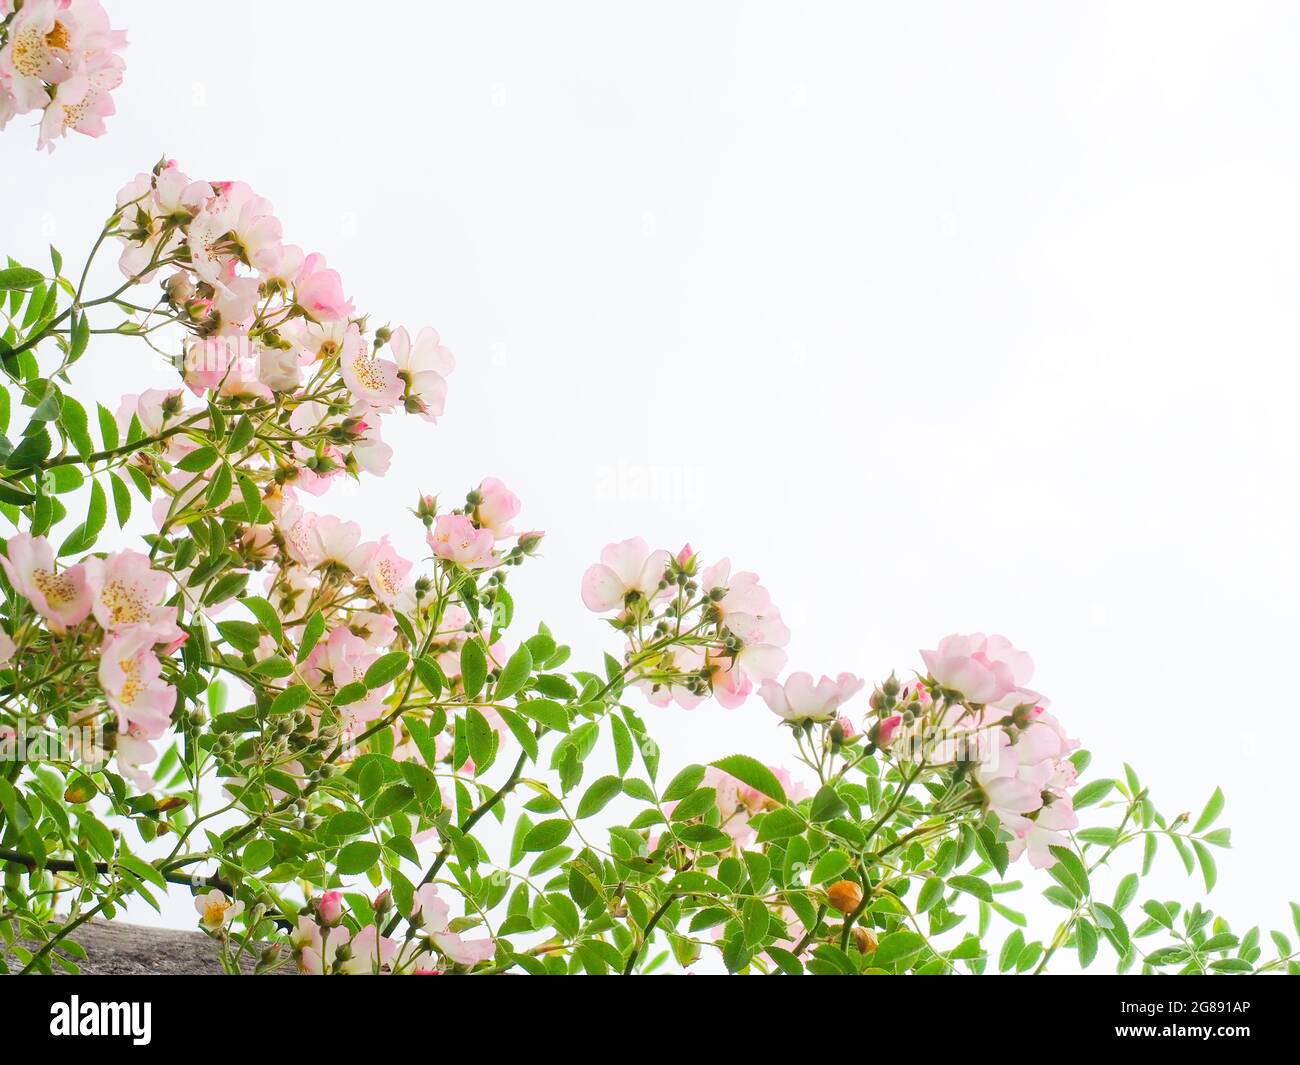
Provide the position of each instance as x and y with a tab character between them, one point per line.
356	762
58	57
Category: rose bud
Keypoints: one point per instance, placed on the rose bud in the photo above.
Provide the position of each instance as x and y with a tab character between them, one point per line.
330	908
883	732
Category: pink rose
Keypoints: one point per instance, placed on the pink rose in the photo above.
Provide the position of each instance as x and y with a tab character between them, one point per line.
63	599
799	699
497	506
983	669
624	568
319	291
456	539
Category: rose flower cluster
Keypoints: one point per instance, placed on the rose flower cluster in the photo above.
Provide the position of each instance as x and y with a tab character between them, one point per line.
110	608
696	631
58	57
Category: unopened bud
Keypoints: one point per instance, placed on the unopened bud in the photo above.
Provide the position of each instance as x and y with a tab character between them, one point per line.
865	940
882	733
529	541
329	907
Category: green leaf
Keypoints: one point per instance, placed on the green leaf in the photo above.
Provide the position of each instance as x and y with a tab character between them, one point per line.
392	799
827	804
515	674
754	773
931	892
1212	810
520	730
266	614
291	699
779	824
31	450
787	962
1149	852
755	921
545	712
219	487
1092	792
478	737
65	479
897	946
19	279
1086	941
386	669
142	869
230	586
968	949
1158	913
76	424
80	337
107	427
253	505
1208	868
547	834
695	804
198	460
473	668
1104	836
622	745
349	694
357	857
121	499
430	675
311	633
1069	871
696	883
684	783
1126	892
1011	951
46	401
1113	925
242	635
972	885
258	855
240	436
83	537
599	795
830	865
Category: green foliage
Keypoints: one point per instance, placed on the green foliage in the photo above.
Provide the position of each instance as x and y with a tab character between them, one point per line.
603	863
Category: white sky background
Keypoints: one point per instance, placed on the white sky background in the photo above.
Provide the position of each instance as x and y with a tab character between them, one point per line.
941	317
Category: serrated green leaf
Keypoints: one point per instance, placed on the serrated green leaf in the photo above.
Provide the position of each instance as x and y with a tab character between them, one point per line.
599	795
473	668
292	698
386	669
515	674
754	773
